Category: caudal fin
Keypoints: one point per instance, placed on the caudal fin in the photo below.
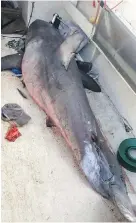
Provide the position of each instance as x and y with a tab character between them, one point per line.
122	201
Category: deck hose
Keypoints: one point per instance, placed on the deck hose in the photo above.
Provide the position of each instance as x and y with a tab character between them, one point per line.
125	156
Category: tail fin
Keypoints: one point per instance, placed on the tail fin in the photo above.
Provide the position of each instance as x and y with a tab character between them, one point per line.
105	179
122	201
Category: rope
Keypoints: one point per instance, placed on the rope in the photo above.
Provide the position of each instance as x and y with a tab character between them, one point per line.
116	5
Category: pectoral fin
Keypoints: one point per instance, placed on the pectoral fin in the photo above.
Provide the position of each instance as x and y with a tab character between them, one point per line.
69	47
11	61
90	83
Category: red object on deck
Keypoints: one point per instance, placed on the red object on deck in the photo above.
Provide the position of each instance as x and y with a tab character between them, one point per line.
12	134
94	4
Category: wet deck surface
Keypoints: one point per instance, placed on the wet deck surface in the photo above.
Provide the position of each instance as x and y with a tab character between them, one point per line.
40	180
